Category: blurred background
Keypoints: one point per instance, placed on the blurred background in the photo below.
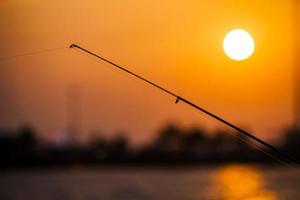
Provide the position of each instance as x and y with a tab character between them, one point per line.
62	109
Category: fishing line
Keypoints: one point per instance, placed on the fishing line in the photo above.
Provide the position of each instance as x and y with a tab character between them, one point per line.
259	148
178	98
32	53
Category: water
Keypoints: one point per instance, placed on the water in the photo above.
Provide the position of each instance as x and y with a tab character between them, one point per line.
230	182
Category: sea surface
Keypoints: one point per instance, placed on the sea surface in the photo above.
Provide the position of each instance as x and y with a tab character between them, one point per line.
226	182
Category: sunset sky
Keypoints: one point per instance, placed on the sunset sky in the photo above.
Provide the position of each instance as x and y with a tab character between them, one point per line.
177	44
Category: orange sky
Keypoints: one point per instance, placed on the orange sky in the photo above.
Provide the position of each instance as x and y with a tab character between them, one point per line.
177	44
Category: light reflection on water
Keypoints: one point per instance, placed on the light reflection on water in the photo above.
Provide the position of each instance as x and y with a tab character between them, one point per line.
240	182
232	182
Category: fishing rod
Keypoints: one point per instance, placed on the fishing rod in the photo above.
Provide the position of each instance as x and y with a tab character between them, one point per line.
178	98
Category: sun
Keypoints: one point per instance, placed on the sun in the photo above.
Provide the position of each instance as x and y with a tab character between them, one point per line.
238	45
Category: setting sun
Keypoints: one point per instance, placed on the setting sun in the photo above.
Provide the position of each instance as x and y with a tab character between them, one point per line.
150	99
238	44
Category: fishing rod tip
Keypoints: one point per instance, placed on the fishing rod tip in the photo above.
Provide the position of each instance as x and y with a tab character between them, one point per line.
72	45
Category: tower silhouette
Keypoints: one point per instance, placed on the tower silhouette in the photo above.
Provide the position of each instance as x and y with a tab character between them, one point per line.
74	111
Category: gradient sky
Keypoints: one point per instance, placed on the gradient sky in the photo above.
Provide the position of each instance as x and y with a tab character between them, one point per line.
177	44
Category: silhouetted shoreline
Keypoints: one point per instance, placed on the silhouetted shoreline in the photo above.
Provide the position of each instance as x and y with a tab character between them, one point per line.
173	147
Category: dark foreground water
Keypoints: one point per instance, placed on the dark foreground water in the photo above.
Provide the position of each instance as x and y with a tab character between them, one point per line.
230	182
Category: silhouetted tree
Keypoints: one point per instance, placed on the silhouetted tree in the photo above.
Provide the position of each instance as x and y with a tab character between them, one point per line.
119	147
27	144
169	139
194	136
291	142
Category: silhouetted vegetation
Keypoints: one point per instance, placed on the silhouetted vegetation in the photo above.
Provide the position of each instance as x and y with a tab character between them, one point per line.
172	146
